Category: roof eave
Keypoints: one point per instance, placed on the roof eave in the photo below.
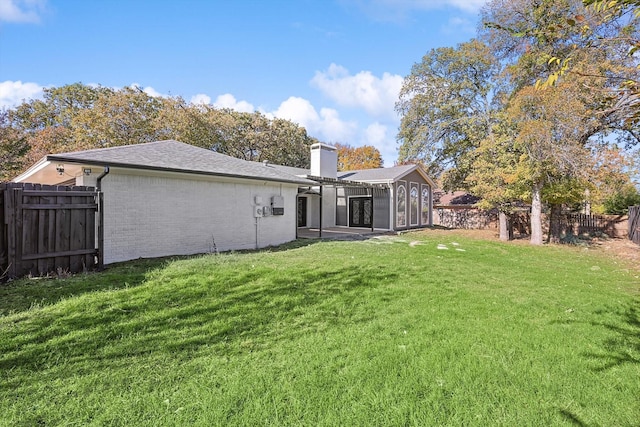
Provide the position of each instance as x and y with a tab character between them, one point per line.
41	164
56	158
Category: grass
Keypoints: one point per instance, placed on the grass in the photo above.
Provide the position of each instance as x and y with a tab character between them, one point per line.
390	331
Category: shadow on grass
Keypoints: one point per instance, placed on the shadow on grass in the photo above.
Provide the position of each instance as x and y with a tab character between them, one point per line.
623	347
234	312
572	418
22	294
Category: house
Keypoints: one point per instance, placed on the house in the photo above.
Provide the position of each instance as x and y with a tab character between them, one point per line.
169	198
395	198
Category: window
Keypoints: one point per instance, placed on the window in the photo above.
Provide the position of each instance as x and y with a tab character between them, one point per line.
401	204
414	215
425	205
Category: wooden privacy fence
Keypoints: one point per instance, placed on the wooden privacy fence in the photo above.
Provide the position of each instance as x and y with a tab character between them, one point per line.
590	224
634	224
46	228
520	222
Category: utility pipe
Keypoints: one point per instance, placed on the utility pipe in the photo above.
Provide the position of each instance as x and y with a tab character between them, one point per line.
101	218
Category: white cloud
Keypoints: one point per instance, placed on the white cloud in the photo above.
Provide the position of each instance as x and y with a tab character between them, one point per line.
471	6
375	134
298	110
457	25
28	11
378	135
148	90
152	92
334	129
325	125
13	93
229	101
401	10
377	96
201	98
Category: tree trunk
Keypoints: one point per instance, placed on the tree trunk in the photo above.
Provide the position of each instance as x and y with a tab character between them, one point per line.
505	228
555	225
536	214
587	202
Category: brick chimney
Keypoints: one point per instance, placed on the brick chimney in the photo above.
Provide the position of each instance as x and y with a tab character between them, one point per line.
324	160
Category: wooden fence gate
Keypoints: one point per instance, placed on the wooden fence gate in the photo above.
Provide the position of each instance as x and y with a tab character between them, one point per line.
634	224
46	228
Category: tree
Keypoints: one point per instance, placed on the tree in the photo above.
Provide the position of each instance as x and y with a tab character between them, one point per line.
253	136
77	117
117	117
618	204
614	25
356	158
448	104
550	127
13	147
556	127
496	174
47	124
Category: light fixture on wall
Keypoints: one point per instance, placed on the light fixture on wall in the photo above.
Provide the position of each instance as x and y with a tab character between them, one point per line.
60	169
87	171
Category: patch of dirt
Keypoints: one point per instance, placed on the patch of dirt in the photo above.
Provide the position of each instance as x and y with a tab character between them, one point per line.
622	250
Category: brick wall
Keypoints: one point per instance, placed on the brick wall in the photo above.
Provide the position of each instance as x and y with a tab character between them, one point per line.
464	217
153	214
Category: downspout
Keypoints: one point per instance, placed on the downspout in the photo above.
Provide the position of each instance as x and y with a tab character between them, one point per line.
101	218
392	206
102	175
257	232
321	206
373	207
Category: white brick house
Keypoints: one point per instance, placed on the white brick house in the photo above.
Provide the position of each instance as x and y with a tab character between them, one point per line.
169	198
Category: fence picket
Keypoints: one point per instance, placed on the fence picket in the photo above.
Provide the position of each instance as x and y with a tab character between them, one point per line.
634	224
44	228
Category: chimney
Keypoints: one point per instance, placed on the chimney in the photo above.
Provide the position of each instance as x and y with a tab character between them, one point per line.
324	161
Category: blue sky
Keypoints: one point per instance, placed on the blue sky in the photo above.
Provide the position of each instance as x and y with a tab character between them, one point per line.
333	66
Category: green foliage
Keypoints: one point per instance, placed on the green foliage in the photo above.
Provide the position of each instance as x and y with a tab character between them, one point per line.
447	105
619	203
78	117
329	333
13	147
496	172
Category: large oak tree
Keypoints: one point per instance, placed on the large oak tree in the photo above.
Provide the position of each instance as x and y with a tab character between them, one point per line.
77	117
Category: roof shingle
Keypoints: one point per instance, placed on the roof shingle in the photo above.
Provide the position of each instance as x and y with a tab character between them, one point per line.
176	156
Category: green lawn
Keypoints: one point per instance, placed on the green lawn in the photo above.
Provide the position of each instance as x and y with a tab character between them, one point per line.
384	332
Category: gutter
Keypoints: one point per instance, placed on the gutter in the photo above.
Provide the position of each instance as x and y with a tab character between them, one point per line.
63	159
102	175
101	219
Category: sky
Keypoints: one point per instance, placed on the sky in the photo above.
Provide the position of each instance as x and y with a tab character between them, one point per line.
333	66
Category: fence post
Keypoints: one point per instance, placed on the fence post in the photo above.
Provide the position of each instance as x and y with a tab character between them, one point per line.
19	229
634	224
100	230
4	243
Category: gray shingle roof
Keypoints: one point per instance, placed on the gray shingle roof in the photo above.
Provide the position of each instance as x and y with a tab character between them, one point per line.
291	170
379	174
176	156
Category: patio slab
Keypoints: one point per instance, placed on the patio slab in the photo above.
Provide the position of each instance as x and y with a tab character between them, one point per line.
341	233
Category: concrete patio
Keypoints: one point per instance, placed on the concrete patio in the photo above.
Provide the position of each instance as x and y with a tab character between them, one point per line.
340	233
